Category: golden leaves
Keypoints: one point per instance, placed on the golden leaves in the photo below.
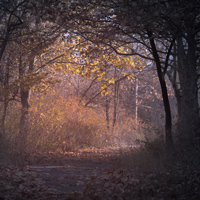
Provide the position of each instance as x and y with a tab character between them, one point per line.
91	60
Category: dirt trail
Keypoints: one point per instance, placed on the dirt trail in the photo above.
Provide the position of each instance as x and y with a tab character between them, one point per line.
68	173
94	174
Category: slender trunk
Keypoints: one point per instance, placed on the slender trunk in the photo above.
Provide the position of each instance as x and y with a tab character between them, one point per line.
173	77
168	120
5	101
107	113
5	107
24	120
116	96
25	97
136	104
2	126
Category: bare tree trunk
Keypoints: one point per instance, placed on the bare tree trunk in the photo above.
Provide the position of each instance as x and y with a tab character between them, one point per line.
2	123
4	118
5	97
173	77
116	97
168	119
136	104
25	97
189	112
24	120
107	112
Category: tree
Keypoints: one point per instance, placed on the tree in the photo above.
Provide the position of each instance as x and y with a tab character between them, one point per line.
124	40
11	19
24	39
137	25
168	118
108	69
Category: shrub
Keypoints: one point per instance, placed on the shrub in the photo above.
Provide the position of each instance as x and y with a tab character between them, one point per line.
57	123
151	156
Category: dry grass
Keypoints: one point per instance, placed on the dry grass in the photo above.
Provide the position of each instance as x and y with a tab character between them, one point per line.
149	157
154	157
128	133
65	124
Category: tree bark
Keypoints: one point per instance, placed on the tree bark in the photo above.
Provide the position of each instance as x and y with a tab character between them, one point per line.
189	112
116	97
3	119
24	120
107	112
5	80
136	104
25	97
168	119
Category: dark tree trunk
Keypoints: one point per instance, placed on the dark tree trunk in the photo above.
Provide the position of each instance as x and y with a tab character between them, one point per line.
168	120
107	112
189	112
5	97
3	119
2	123
173	77
24	120
116	96
25	97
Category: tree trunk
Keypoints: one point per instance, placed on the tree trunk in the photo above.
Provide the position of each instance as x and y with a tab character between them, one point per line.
168	120
107	112
116	96
136	104
5	97
189	112
2	123
3	119
24	120
25	97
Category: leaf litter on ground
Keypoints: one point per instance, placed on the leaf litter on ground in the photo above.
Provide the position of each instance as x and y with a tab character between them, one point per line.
94	174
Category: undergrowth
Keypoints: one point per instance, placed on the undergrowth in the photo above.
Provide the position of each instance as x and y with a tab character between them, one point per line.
57	123
65	124
154	157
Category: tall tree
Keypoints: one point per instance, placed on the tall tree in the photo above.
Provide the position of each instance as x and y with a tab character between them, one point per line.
11	14
24	34
126	23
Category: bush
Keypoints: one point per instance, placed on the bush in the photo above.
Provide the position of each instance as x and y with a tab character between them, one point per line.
64	124
151	156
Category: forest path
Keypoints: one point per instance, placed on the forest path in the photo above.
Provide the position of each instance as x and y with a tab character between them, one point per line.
95	174
69	173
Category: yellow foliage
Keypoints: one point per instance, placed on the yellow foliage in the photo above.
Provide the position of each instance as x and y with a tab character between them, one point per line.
112	81
89	60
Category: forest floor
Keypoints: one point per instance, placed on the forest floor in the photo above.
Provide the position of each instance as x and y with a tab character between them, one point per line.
94	174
